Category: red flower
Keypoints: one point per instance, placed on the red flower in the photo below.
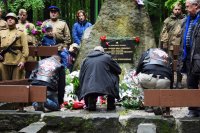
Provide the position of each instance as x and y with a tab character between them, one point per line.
103	38
78	105
137	39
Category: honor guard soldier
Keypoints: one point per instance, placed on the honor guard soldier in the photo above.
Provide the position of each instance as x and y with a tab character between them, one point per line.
60	28
13	60
3	24
23	25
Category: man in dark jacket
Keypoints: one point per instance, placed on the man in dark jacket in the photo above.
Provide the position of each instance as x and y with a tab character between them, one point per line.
50	73
154	71
99	76
191	49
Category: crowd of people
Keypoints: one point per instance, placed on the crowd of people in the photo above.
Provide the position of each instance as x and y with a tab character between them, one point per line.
99	73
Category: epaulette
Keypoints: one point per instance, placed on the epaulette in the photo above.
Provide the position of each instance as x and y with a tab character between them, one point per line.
61	20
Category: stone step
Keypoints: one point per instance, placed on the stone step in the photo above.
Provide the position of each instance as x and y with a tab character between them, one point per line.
82	121
33	128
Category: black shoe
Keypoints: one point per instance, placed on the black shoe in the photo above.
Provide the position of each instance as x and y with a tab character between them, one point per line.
111	103
40	107
91	103
111	107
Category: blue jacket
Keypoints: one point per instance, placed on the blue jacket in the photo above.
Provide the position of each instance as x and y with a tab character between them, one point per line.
78	30
48	41
67	59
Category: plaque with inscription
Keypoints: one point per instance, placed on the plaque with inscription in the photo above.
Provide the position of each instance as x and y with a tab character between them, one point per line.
120	50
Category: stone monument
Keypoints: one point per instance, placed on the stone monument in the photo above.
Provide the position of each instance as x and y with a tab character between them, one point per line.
119	20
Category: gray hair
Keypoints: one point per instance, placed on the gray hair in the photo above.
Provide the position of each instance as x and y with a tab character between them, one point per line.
99	48
194	2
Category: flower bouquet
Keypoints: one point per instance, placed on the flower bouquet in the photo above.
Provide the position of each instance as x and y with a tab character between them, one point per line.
38	31
130	92
70	97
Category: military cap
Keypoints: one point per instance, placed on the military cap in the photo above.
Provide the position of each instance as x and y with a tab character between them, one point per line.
48	26
54	8
11	14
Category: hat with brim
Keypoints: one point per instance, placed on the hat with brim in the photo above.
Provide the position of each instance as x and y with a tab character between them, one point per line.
75	45
54	8
13	15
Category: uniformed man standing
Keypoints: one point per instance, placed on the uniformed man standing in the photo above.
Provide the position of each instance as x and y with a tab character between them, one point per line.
3	24
170	36
23	25
14	59
60	28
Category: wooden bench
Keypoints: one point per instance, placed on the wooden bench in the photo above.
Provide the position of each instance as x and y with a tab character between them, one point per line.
20	91
172	98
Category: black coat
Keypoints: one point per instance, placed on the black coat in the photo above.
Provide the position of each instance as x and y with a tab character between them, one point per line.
99	74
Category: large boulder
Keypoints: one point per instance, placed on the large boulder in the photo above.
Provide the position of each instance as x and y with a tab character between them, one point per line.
119	19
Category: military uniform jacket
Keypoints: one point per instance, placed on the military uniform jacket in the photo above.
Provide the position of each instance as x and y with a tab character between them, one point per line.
171	32
20	47
60	30
23	27
3	25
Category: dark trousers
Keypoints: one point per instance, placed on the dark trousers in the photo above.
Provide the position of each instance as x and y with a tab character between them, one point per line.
192	83
91	99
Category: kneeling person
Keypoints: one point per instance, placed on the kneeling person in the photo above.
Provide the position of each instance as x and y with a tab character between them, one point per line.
50	72
154	70
99	76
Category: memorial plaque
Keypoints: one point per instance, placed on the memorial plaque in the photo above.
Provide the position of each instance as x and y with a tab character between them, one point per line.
120	50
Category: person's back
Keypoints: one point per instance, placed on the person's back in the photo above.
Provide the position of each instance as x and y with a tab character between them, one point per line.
99	76
155	66
50	73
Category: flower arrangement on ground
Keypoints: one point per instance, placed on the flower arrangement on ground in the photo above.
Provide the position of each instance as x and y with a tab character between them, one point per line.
130	92
70	97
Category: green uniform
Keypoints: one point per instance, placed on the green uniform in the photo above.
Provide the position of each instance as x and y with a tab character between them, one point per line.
3	24
171	33
10	70
61	32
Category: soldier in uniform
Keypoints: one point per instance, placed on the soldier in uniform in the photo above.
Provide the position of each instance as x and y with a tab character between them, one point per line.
3	24
23	25
14	59
60	28
170	36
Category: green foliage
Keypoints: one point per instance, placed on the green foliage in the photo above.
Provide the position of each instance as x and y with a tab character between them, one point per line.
147	2
170	3
15	5
75	82
133	101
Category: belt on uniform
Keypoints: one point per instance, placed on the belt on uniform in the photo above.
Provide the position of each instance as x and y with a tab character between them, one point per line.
160	76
